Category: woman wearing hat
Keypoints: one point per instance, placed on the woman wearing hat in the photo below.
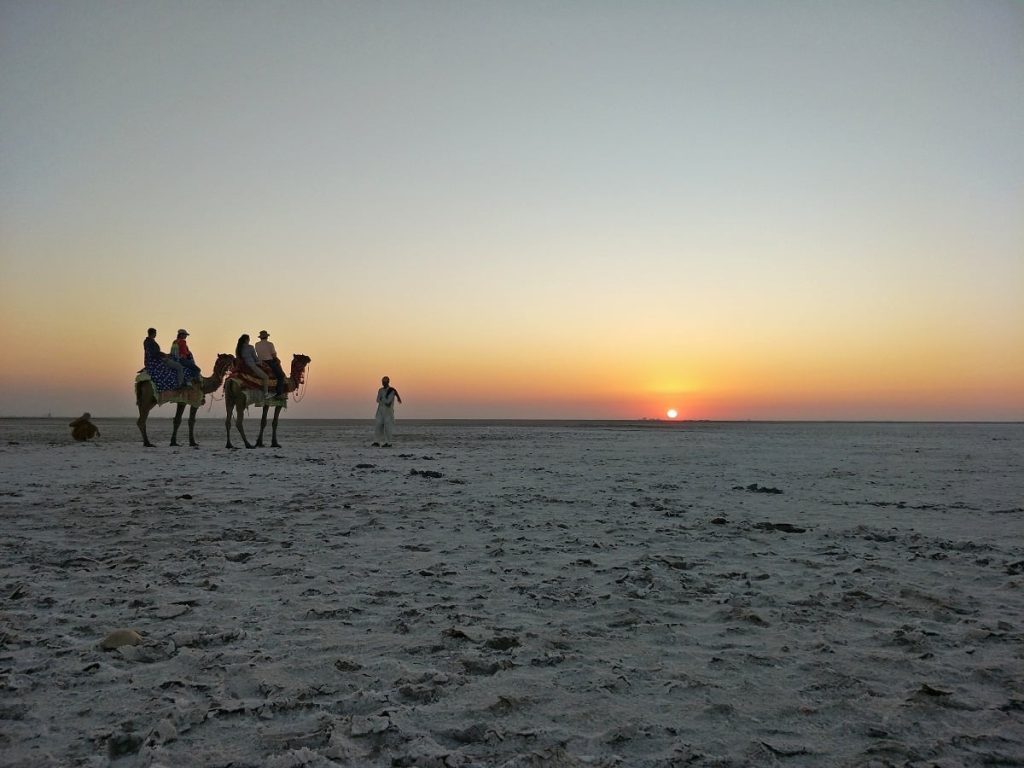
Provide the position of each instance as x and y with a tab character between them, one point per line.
181	353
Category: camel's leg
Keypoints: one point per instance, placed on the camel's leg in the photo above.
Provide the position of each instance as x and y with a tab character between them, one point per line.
239	411
144	408
229	406
263	425
273	428
234	401
192	426
177	423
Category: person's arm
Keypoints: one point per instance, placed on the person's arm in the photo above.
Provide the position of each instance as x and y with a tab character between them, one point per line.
397	396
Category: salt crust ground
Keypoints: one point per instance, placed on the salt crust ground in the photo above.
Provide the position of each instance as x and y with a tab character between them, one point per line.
562	595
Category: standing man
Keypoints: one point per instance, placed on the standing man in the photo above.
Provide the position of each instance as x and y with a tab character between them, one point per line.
154	358
384	424
267	354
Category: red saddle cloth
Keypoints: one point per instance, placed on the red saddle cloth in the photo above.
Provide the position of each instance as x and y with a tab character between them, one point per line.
250	380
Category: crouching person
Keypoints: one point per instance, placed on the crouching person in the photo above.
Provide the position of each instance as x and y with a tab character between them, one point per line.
83	429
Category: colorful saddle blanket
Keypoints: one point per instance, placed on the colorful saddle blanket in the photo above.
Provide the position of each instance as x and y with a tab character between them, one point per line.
255	397
190	395
252	388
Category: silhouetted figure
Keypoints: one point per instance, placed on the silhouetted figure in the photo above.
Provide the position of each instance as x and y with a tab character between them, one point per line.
384	425
83	429
182	355
246	355
165	371
266	352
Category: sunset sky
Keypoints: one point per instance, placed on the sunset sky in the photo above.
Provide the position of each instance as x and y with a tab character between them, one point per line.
740	210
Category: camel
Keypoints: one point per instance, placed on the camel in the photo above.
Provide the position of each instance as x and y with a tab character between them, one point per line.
235	400
146	401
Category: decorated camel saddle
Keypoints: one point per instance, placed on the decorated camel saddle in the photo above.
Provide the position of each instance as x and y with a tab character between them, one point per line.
251	385
165	385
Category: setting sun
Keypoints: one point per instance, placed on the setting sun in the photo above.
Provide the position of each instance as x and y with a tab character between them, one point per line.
671	413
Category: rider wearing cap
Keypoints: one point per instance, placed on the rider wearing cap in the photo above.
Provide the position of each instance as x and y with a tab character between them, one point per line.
267	354
181	353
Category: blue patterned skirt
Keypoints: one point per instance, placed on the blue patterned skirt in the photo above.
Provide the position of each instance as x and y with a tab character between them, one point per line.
166	379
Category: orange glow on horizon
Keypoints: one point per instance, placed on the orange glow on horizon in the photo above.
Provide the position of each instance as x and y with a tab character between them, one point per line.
446	376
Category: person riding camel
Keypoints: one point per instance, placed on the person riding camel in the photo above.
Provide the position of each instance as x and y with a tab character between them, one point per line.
267	354
249	363
159	364
181	354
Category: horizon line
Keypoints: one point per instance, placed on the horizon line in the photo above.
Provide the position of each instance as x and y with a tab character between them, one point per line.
526	419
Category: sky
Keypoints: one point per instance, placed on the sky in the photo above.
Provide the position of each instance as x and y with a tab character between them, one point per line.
559	209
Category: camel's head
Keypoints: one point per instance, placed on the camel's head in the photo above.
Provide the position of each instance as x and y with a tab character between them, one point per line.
224	361
299	363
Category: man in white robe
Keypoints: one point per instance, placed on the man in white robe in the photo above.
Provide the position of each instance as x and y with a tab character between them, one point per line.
384	424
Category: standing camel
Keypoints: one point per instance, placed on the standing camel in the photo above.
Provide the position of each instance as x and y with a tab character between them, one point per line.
147	401
235	399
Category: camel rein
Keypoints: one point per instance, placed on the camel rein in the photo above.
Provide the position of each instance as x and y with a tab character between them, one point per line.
302	384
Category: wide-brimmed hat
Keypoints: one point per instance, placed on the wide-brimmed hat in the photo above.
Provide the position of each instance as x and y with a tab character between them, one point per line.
263	333
182	332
